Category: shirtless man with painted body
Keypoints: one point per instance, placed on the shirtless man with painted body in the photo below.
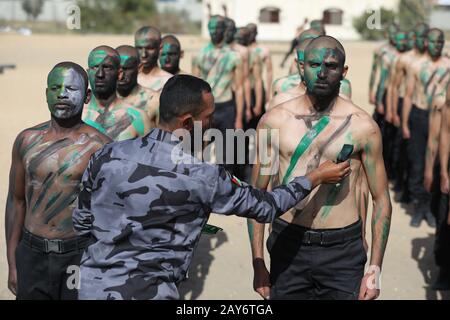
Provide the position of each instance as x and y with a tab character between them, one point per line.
222	68
129	92
48	161
426	78
105	111
396	92
311	236
147	40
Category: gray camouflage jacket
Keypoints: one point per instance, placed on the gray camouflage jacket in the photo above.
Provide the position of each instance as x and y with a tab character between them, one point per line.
145	208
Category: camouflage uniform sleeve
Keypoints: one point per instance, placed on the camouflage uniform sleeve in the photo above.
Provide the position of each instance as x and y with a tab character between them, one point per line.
82	215
231	196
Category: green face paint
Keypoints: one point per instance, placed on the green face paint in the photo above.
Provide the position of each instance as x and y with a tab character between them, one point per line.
123	59
66	92
169	58
435	44
216	30
323	71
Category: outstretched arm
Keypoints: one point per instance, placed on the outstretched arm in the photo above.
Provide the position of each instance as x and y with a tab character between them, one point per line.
373	164
15	211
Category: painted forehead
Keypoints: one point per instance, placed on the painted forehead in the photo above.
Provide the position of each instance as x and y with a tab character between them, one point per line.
322	53
65	75
166	47
216	22
435	34
97	57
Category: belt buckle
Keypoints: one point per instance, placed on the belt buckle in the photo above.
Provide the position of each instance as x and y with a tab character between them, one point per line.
315	237
52	245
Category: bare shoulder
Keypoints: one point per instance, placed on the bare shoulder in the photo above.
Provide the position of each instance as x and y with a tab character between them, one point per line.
31	133
275	117
364	122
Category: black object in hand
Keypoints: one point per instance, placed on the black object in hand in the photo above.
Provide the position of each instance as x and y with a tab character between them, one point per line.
345	153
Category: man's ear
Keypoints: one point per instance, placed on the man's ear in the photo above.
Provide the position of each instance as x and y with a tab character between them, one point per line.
182	54
187	122
301	69
88	96
344	71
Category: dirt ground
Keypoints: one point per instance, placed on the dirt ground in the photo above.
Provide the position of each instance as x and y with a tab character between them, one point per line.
221	268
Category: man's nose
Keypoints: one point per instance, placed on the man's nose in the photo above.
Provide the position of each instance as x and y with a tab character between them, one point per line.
62	94
322	73
100	72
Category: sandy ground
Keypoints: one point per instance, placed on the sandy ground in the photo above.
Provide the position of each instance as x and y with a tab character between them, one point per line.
222	265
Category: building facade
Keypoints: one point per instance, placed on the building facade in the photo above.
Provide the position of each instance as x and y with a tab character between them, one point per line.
278	20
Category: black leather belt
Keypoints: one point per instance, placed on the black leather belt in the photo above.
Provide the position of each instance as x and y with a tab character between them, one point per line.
321	237
54	245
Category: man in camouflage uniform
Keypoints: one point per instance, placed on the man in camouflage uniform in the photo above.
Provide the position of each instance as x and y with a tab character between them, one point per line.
145	210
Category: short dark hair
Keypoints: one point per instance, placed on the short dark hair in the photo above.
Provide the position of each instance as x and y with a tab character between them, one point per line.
180	95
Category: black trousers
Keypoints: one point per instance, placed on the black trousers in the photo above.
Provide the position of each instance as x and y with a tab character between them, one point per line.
45	276
442	240
224	117
400	155
417	144
301	271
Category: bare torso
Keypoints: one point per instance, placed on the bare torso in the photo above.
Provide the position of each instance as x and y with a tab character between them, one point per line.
155	79
118	120
54	166
322	138
146	100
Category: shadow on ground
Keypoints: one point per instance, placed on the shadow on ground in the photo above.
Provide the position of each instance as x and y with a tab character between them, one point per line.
422	252
201	262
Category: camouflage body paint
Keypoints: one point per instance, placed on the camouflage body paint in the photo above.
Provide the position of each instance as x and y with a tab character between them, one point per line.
303	145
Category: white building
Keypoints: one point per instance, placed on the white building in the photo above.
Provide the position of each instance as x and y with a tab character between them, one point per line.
279	19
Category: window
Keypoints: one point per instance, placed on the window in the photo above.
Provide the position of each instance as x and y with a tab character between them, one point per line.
333	16
269	15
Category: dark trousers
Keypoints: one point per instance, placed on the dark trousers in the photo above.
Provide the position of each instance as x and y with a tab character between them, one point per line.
44	276
400	156
302	271
442	240
417	145
224	117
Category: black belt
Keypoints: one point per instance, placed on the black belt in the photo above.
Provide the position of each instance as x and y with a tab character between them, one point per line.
54	245
322	237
